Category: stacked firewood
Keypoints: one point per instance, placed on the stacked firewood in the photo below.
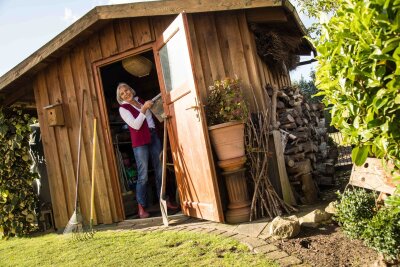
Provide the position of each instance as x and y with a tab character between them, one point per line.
305	141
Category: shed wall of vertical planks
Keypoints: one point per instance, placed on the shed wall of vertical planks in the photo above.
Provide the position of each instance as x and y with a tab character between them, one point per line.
222	46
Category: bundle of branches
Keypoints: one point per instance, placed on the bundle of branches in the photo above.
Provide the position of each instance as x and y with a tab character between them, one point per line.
265	202
276	50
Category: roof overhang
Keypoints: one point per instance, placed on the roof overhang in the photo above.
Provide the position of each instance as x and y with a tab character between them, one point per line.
17	79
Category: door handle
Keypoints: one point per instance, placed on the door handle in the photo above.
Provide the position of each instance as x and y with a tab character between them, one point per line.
193	107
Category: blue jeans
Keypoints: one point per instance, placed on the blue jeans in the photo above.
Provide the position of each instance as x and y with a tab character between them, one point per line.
142	154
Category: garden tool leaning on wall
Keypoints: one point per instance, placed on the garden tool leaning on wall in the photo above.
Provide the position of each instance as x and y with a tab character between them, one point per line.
163	198
93	170
75	224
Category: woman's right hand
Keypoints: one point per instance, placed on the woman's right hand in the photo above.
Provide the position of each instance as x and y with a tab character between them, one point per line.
148	104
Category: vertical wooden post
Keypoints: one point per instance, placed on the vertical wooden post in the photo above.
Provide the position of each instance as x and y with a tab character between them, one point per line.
287	193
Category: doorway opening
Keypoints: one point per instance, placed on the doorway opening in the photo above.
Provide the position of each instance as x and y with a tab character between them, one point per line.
146	87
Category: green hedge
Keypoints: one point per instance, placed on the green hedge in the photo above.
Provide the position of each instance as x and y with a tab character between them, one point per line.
17	198
360	217
354	209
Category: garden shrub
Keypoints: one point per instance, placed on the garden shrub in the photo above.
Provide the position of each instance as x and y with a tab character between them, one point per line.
17	198
359	75
382	233
354	209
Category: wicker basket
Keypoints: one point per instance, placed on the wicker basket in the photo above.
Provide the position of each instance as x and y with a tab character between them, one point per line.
138	66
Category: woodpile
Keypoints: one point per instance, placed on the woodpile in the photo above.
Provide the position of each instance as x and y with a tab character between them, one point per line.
309	163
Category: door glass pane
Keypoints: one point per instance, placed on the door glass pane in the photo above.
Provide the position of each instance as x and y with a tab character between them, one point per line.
175	61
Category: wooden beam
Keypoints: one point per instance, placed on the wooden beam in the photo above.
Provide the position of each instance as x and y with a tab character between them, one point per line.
169	7
306	62
12	97
266	15
287	192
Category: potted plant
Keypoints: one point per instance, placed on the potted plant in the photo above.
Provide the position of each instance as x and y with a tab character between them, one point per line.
226	113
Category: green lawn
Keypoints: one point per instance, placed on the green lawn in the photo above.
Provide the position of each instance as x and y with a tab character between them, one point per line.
129	248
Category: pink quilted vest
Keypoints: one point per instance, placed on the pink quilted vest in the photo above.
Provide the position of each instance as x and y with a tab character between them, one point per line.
142	136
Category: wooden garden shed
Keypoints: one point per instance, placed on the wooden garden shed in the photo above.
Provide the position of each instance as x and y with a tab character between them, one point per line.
197	41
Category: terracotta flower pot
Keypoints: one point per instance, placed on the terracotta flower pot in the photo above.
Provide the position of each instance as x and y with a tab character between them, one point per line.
228	140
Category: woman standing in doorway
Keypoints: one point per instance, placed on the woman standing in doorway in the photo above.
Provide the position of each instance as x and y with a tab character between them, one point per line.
145	142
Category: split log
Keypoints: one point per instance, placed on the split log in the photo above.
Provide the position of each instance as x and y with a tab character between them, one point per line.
285	118
312	157
294	150
298	97
299	111
309	189
309	147
280	105
297	91
307	114
289	162
283	96
294	103
288	111
300	168
302	135
288	126
302	129
299	121
291	136
296	157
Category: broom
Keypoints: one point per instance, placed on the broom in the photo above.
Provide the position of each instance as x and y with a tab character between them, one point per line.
93	165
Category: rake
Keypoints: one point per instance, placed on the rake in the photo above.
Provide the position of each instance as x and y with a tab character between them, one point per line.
75	225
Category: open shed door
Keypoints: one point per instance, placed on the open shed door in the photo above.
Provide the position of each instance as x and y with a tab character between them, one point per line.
191	150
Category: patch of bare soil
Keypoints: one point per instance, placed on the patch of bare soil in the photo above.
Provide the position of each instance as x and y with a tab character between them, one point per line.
328	246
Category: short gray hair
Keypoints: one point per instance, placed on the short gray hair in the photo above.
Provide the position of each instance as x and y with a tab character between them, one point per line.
120	85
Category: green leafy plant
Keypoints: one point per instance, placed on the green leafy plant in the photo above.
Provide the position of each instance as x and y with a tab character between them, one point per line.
353	210
359	75
308	88
17	198
315	9
382	233
393	201
226	102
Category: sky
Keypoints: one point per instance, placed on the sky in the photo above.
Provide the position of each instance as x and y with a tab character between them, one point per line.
27	25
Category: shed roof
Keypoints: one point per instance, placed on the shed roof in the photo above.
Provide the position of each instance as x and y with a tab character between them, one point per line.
17	78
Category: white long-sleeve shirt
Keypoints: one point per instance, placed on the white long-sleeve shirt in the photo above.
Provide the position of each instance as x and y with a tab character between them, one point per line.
128	118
